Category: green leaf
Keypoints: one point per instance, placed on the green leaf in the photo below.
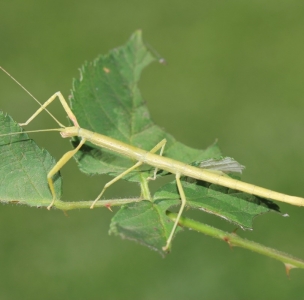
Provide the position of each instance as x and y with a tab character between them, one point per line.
24	167
144	222
147	222
231	205
106	99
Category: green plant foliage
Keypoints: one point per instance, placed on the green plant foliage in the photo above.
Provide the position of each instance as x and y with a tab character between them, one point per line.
24	167
231	205
145	222
106	99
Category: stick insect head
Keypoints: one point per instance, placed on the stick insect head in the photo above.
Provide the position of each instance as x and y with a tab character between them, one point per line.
69	131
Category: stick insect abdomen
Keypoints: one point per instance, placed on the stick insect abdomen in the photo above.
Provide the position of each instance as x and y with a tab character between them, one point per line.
176	167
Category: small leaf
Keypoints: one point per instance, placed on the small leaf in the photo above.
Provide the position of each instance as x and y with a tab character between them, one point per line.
224	164
145	223
24	167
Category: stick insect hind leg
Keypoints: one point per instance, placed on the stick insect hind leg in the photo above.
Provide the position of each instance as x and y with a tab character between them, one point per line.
160	145
183	200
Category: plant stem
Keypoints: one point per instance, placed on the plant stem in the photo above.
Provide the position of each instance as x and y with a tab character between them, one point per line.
64	205
144	188
234	240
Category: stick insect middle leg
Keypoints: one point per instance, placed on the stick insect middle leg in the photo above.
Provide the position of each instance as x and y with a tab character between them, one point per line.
160	145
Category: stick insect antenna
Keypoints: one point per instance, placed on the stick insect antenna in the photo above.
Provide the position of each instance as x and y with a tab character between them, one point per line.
31	95
31	131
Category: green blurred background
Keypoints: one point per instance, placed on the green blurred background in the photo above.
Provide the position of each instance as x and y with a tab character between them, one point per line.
235	72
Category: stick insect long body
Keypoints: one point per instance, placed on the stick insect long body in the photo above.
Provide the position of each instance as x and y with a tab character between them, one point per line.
176	167
146	157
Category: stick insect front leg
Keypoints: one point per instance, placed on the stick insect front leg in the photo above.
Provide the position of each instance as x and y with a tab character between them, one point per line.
62	161
67	156
160	145
48	102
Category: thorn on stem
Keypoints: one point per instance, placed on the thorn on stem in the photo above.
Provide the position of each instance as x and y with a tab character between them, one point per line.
108	206
227	240
288	267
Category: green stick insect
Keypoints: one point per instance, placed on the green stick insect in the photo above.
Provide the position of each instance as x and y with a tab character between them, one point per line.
157	161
